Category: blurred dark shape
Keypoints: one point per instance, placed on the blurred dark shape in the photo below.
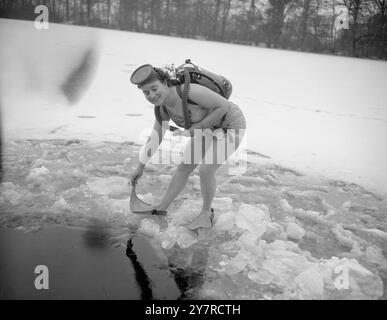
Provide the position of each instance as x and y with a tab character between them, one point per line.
1	146
140	274
191	278
97	234
79	79
72	141
187	280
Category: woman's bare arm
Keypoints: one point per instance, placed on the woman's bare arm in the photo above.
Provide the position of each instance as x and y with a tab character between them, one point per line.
152	143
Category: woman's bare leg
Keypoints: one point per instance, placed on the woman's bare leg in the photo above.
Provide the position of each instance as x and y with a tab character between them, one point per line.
208	184
191	158
208	189
176	185
208	181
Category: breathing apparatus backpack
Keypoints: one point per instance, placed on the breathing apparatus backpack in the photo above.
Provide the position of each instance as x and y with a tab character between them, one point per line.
189	73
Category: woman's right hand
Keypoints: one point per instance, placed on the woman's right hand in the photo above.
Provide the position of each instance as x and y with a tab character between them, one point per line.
137	174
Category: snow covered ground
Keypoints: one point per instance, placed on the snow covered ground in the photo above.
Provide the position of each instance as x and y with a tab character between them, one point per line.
282	230
318	114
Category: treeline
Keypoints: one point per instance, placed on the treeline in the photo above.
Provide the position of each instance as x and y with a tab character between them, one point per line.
345	27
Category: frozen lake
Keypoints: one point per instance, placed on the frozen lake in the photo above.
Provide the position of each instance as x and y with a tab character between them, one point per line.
278	234
319	114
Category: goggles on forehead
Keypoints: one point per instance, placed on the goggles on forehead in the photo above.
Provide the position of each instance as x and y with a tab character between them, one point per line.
144	74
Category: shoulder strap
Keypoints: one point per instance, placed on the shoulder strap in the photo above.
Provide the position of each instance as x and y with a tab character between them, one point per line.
158	114
184	97
157	111
187	81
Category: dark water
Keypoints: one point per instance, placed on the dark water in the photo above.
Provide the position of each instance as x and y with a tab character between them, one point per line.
81	265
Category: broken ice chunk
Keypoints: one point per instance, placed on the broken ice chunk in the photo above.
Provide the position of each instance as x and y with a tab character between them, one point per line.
294	231
262	277
285	206
225	221
38	175
185	238
236	264
311	283
60	205
111	186
285	265
11	196
168	237
186	213
346	205
119	205
222	204
248	181
274	231
252	219
374	255
11	193
344	237
149	227
376	232
249	242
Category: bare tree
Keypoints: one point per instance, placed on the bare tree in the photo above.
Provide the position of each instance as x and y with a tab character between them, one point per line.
108	12
382	6
89	4
197	19
157	13
304	22
276	21
354	7
226	10
182	20
215	19
67	10
251	21
81	12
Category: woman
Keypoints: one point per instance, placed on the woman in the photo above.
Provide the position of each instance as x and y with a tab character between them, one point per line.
206	110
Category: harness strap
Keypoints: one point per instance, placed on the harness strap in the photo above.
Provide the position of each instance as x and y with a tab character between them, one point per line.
158	114
185	101
187	81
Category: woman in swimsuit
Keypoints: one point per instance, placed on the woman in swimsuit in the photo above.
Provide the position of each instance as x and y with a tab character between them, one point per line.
207	110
